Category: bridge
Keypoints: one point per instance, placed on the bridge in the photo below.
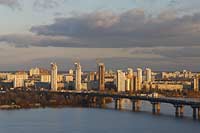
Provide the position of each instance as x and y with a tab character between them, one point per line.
136	101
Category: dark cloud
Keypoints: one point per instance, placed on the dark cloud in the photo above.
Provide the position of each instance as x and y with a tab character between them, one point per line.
10	3
128	29
106	29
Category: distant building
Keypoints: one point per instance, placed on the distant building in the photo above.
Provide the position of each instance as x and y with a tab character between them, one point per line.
121	77
101	79
45	78
127	84
92	76
148	75
168	87
139	79
54	73
68	78
130	80
196	83
19	79
77	76
60	78
34	71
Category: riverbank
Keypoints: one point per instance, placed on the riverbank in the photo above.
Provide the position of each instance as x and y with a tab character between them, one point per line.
32	99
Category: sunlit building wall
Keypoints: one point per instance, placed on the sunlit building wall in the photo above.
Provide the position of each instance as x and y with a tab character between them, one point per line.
77	76
101	79
54	73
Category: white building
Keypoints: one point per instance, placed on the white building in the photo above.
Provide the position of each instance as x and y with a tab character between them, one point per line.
54	73
148	75
46	78
77	76
19	79
139	79
195	83
130	80
121	78
34	71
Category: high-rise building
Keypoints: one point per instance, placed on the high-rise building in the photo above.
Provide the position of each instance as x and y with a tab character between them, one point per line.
54	73
130	80
77	76
139	79
92	76
195	83
127	84
148	75
121	78
101	79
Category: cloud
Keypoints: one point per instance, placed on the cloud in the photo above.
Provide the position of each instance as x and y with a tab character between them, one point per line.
26	40
106	29
128	29
10	3
178	52
46	4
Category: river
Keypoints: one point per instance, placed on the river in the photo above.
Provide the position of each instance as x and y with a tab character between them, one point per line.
95	120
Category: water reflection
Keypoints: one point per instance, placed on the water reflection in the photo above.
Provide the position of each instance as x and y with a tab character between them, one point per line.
90	120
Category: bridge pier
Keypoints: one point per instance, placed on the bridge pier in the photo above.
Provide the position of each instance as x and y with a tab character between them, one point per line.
158	108
181	110
103	103
136	104
198	113
177	110
133	105
118	103
194	113
155	108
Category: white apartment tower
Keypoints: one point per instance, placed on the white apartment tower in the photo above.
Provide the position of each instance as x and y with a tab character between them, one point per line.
101	72
139	79
148	75
121	78
130	80
54	74
196	83
77	76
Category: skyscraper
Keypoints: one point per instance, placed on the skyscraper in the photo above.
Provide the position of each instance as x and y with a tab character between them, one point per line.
77	76
139	79
54	73
148	75
195	83
121	78
130	80
101	79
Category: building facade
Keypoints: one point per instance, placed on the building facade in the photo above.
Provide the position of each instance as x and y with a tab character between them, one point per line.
54	74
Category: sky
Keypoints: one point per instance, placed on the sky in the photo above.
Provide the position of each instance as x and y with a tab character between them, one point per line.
160	34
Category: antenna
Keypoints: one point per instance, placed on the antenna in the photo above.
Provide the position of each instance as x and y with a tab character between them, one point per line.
98	60
76	60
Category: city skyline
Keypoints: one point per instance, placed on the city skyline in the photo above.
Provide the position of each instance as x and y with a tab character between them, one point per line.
90	66
162	35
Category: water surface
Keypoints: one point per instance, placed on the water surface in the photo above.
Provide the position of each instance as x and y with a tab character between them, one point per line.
94	120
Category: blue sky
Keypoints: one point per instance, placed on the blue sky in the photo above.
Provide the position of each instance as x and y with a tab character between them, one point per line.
162	34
